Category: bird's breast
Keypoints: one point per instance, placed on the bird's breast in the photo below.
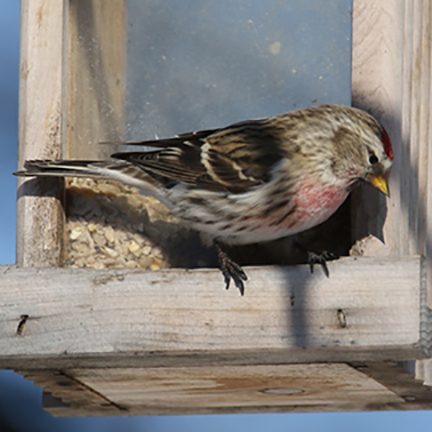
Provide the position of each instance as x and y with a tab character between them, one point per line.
315	202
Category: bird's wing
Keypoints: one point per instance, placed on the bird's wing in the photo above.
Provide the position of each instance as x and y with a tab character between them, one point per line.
235	158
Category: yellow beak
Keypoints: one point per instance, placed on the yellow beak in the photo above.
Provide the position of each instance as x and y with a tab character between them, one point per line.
380	182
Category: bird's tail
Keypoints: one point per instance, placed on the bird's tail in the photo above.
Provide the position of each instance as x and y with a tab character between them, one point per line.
121	171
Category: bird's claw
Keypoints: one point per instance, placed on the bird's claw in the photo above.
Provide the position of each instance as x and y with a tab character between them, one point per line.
321	259
231	270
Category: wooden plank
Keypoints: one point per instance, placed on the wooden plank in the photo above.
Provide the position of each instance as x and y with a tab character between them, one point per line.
394	377
374	386
75	394
41	126
286	311
203	389
222	389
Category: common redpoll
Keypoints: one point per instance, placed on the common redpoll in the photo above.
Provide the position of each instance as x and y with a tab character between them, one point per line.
253	181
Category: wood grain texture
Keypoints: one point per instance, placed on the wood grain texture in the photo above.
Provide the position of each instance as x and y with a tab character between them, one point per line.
225	389
97	77
372	386
392	61
392	79
378	40
393	376
41	110
285	311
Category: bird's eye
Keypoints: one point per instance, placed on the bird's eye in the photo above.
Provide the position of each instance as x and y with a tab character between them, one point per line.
373	159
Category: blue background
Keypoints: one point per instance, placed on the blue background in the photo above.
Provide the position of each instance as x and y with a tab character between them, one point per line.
20	400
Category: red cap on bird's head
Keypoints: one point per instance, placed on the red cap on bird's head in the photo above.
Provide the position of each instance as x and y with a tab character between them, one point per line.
387	144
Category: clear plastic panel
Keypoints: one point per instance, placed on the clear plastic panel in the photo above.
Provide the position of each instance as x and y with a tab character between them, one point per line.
195	64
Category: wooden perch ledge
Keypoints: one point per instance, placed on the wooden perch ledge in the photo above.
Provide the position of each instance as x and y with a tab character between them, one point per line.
370	309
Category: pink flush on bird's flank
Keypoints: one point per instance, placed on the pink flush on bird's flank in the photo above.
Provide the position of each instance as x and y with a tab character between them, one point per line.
315	202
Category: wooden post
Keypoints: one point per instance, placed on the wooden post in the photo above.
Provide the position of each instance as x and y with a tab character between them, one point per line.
392	78
377	87
40	218
86	88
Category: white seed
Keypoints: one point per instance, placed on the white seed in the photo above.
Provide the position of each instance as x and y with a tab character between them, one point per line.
109	234
146	250
156	265
76	231
110	252
134	247
91	226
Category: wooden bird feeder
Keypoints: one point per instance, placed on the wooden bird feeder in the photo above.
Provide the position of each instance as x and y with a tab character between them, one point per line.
139	342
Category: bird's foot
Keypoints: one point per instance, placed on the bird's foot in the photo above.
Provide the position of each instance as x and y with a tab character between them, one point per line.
321	259
231	270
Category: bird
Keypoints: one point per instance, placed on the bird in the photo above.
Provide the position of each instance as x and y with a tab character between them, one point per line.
253	181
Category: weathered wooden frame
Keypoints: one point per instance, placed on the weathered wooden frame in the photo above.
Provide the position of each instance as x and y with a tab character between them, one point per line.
391	78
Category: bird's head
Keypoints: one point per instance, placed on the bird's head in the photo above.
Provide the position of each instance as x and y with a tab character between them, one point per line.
363	149
380	159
